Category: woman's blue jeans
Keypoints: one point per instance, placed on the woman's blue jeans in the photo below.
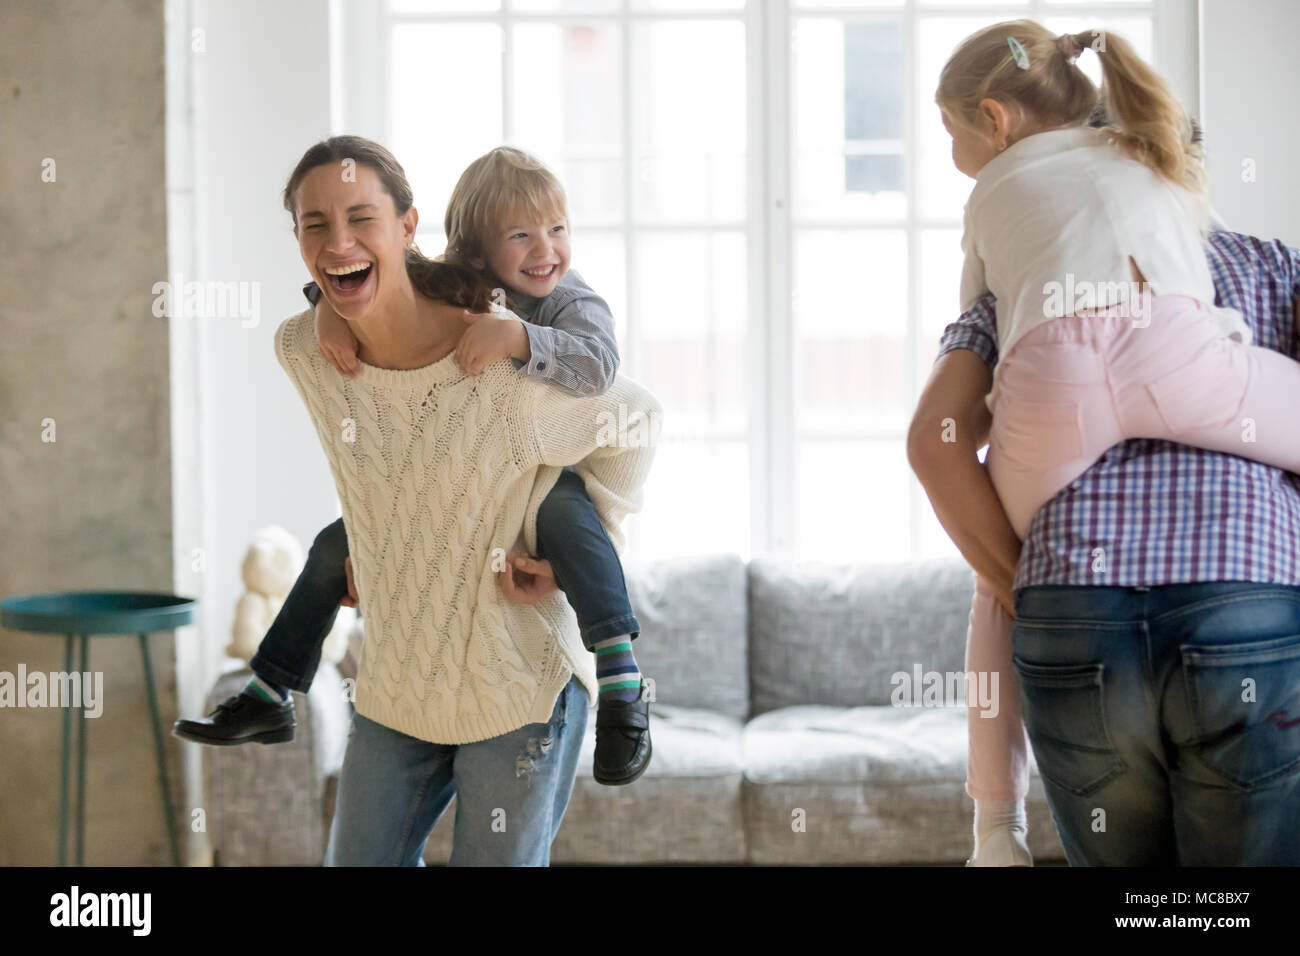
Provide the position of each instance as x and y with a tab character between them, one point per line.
569	535
511	792
1165	721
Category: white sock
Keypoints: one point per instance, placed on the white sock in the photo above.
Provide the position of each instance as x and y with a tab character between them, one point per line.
992	817
989	816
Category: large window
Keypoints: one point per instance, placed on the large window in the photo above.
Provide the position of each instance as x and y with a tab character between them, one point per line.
764	194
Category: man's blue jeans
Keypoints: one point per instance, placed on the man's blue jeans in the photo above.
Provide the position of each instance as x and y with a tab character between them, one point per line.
569	535
511	792
1165	721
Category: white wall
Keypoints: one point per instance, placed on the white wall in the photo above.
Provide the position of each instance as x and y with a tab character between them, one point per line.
1250	79
242	111
84	412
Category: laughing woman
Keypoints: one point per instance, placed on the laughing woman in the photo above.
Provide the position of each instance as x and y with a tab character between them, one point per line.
461	692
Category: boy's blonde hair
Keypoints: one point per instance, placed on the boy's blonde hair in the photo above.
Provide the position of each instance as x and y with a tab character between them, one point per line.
503	183
1037	77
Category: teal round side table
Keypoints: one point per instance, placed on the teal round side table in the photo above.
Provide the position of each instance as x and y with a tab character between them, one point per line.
79	615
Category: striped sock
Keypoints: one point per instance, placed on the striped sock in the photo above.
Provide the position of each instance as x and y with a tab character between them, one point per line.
616	671
265	690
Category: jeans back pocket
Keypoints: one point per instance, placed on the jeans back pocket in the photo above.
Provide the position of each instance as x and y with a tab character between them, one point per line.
1245	708
1064	715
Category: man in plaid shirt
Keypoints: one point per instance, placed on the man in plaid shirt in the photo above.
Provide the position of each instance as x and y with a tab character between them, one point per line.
1157	606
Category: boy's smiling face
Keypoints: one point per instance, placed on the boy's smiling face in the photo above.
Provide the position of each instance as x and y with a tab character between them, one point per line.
530	257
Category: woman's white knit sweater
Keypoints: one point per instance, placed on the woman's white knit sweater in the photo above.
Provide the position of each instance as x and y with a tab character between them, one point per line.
440	474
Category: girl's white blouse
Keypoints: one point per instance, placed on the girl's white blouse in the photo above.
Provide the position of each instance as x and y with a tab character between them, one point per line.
1053	220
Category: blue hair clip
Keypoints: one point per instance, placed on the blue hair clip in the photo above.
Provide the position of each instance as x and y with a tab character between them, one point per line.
1018	53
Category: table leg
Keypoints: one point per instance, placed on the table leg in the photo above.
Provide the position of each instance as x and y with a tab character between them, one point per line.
159	752
67	758
81	757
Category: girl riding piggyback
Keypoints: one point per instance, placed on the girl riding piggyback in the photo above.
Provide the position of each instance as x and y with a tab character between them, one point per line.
1091	242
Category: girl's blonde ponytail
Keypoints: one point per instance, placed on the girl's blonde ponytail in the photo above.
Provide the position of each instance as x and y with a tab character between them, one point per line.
1146	117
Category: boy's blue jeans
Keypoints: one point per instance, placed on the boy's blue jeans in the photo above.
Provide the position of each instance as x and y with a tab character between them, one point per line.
569	535
511	792
1165	721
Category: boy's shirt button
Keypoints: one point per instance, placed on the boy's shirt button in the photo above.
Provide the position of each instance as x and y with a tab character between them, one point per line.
541	365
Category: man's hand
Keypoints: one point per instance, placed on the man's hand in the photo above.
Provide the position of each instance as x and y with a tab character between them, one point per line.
527	580
951	423
334	339
351	599
490	338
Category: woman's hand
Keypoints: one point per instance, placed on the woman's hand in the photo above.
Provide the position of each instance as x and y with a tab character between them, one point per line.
351	599
526	579
490	338
334	339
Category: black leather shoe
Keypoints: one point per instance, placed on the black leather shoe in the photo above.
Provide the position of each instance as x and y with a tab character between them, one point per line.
622	740
241	719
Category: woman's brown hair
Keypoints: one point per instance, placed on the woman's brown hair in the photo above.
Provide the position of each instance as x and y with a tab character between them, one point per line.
445	281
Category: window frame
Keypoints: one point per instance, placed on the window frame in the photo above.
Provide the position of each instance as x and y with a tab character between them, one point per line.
360	50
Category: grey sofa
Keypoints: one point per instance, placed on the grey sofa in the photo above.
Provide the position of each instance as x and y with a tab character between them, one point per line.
775	740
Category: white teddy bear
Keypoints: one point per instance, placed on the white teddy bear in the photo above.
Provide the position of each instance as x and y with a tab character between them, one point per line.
271	565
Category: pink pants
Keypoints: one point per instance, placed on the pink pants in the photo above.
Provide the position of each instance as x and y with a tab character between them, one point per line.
1067	392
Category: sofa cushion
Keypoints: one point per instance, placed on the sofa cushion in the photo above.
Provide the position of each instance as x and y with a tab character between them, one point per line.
836	634
271	806
867	785
693	641
684	808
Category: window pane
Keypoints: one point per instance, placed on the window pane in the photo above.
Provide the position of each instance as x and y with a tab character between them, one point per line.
692	328
565	6
697	500
873	107
568	110
852	501
689	83
444	6
601	259
848	120
941	262
431	57
865	4
850	315
934	541
692	5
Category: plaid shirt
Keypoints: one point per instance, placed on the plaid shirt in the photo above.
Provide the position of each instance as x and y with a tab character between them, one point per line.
1153	512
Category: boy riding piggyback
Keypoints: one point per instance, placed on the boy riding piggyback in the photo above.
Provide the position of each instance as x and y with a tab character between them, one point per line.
507	219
